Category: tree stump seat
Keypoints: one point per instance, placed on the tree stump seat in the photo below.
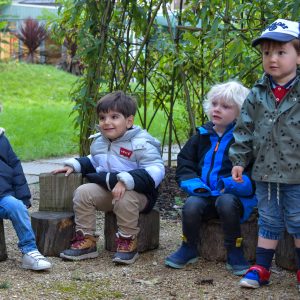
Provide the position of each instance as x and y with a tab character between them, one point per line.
285	255
53	230
53	224
148	237
3	252
211	242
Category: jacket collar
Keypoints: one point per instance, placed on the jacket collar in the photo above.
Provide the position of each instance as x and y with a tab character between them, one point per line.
207	128
265	80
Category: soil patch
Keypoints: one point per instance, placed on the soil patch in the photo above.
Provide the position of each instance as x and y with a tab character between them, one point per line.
147	279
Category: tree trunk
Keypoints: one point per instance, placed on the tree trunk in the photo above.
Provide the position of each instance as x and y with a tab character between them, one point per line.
3	253
148	237
56	191
211	246
285	256
53	231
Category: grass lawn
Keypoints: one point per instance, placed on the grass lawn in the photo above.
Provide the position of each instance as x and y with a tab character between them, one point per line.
36	110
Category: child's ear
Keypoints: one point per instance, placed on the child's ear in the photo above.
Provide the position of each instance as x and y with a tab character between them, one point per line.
130	121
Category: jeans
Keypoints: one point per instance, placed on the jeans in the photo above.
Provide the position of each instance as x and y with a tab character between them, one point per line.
14	210
227	207
278	208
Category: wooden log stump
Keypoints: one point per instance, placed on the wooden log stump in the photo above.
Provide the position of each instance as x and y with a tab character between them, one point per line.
56	191
211	244
148	237
53	231
285	255
53	224
3	252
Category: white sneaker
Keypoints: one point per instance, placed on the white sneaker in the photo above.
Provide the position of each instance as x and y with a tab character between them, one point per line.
34	260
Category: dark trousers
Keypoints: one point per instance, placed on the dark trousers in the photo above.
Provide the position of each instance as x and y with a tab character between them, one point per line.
227	207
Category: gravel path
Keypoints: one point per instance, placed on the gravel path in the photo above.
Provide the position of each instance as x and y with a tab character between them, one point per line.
148	278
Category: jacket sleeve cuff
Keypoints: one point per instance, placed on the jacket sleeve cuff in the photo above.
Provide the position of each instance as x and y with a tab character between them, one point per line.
228	185
127	179
72	162
192	185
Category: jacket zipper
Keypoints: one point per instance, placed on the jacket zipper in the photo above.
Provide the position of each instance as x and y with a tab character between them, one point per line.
108	155
213	159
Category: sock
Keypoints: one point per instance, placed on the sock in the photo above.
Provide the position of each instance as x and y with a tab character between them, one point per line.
264	257
298	258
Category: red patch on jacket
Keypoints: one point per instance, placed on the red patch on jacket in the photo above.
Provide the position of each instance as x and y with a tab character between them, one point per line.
125	152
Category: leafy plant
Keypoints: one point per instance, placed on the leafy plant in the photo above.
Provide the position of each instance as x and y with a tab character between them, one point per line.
123	46
32	34
4	285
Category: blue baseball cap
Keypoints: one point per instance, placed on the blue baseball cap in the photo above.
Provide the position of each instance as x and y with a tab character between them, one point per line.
281	30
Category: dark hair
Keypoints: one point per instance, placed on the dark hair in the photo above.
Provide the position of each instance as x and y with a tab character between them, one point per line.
272	43
117	101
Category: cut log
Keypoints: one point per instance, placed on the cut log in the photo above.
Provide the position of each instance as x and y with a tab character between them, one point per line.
53	231
285	255
56	191
211	244
3	252
148	237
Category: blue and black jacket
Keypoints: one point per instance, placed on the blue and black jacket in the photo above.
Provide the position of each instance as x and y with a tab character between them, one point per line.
12	179
203	163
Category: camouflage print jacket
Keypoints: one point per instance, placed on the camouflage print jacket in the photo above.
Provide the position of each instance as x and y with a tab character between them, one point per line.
269	135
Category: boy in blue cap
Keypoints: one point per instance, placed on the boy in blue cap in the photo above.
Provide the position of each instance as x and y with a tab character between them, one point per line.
267	133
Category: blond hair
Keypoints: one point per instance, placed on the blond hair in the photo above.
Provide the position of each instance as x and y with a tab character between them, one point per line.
231	92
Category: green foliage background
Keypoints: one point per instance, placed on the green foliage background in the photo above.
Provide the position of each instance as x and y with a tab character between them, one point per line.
123	47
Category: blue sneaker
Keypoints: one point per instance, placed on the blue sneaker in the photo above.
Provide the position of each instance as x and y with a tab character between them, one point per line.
238	270
255	277
186	254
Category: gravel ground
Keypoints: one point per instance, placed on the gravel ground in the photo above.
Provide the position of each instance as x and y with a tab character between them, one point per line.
148	278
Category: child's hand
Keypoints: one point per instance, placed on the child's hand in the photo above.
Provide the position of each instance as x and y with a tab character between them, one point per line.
237	172
67	169
118	191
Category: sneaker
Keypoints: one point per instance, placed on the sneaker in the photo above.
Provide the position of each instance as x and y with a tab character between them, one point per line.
255	277
186	254
82	247
236	262
298	280
126	249
238	270
34	260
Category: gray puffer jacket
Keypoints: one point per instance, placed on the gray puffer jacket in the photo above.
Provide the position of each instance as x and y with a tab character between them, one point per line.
134	159
269	135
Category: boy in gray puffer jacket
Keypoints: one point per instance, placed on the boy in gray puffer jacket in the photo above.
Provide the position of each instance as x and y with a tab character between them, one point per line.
124	169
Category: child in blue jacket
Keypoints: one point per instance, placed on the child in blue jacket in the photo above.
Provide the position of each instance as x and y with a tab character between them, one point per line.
204	172
14	201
